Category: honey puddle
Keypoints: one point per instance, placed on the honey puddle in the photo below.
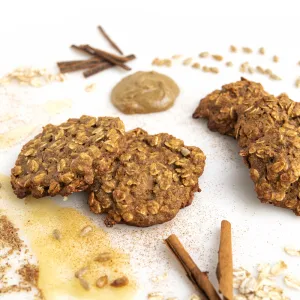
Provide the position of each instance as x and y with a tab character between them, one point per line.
59	260
13	136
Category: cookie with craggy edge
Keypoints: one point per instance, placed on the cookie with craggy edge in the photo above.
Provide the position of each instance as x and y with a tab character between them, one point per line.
155	177
220	106
63	159
255	120
274	162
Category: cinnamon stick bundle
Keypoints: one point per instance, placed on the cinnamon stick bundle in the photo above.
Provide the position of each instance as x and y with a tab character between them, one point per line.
199	278
112	58
225	265
102	66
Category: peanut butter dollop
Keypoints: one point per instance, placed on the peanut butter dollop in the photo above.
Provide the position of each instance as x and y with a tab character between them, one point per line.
144	92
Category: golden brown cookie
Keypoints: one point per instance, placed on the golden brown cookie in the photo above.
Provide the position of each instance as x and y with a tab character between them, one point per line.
63	159
220	106
274	162
256	119
155	177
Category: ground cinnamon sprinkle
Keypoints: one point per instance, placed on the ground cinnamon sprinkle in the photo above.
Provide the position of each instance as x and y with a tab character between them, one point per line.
9	235
29	273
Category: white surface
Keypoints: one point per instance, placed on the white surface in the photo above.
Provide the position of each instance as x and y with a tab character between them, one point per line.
38	34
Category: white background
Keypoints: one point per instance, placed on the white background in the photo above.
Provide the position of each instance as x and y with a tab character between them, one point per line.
39	33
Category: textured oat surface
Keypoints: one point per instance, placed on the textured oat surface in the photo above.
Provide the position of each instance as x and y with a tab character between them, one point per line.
267	129
155	177
62	159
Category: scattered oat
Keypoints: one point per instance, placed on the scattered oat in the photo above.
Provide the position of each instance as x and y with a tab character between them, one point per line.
290	250
274	77
229	64
244	67
160	277
102	257
268	72
195	297
155	296
205	69
217	57
247	50
298	63
56	234
84	283
85	230
120	282
196	65
261	50
187	61
275	58
65	198
297	83
204	54
292	282
250	70
233	49
102	281
81	272
214	70
90	88
278	268
262	287
176	56
31	76
260	70
162	62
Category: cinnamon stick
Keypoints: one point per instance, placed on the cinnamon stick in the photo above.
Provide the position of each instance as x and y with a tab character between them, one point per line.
72	62
102	66
105	55
199	278
71	66
112	43
94	70
225	266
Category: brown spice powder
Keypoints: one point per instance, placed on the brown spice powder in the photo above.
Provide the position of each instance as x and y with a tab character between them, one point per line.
29	274
9	235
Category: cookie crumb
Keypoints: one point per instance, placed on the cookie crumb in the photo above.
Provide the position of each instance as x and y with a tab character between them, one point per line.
275	58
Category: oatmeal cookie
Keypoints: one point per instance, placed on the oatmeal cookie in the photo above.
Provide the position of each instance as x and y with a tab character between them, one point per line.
154	177
255	120
63	159
274	162
220	106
